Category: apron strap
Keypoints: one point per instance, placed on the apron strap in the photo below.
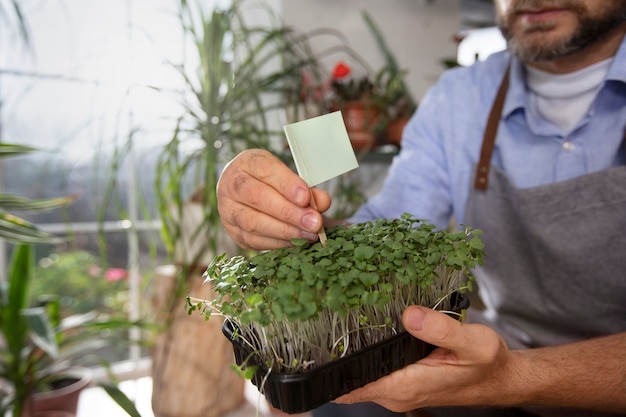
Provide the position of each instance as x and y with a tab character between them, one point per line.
489	138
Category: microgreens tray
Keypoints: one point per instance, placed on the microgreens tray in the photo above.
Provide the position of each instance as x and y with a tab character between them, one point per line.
301	392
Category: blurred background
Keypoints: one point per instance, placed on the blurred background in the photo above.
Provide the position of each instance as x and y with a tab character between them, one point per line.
123	101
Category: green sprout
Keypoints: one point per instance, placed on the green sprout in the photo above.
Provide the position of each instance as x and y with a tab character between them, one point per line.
302	306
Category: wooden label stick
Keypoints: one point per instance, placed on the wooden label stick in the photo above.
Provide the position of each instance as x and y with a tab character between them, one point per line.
321	150
322	232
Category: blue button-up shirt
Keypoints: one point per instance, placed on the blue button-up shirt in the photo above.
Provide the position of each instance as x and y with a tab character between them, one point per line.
432	175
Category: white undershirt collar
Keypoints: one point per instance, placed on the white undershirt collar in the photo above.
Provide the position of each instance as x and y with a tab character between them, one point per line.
564	99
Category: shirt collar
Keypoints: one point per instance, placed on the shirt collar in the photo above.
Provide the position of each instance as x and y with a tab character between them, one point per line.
617	71
516	96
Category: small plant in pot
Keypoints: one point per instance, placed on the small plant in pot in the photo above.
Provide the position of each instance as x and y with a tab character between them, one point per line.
42	354
310	322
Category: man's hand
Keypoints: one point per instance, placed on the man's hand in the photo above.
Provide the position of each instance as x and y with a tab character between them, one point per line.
263	204
473	367
471	362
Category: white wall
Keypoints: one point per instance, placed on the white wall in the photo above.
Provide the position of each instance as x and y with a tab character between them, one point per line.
418	31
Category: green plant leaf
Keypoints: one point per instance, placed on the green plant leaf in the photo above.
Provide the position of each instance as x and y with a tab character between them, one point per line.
41	331
18	230
15	202
14	324
8	149
292	299
363	252
249	371
120	398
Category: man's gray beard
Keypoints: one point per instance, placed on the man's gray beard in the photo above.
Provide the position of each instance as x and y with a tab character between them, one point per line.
589	33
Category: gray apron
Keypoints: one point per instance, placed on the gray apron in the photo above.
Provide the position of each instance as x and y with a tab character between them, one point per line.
555	263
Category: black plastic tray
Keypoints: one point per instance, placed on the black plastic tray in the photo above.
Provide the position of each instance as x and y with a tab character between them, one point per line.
301	392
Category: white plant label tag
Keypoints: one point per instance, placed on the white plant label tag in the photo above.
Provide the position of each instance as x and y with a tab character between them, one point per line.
321	148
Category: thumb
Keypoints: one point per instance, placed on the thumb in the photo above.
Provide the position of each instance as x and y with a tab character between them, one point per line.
434	327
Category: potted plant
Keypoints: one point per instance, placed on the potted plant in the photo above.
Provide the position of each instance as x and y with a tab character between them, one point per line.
395	99
40	350
231	99
395	104
14	228
311	322
37	348
355	95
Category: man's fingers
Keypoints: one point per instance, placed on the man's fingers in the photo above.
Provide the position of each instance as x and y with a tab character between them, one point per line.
462	342
261	198
322	199
263	204
433	327
266	168
255	230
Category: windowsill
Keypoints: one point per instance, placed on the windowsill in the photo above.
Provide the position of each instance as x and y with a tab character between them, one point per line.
95	402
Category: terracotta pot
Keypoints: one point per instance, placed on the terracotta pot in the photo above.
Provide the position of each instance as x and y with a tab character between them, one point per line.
360	120
393	131
53	413
65	397
192	363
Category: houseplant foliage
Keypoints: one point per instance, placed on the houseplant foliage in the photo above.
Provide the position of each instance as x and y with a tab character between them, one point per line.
370	101
396	101
233	97
392	71
231	102
38	346
14	228
356	96
303	306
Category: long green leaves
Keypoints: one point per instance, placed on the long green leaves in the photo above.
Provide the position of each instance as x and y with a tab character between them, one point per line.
14	228
8	149
391	64
231	101
121	399
14	326
36	344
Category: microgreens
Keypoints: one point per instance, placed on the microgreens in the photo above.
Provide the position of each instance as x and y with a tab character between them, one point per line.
305	305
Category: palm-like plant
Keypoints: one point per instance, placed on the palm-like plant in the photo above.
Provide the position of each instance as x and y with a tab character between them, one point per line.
14	228
36	345
234	99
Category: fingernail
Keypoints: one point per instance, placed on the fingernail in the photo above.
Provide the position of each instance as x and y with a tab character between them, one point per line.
300	195
415	318
310	236
310	222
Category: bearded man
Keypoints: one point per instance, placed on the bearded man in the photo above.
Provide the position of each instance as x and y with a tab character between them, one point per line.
528	146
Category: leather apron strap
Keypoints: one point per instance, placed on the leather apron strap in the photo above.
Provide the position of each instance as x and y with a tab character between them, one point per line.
489	137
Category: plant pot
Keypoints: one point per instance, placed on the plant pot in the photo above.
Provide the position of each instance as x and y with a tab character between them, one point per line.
191	361
361	121
65	393
298	393
393	131
53	413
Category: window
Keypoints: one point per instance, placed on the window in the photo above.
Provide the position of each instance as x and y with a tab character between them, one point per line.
91	89
478	44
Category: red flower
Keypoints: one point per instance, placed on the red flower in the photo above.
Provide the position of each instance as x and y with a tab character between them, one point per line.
341	70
